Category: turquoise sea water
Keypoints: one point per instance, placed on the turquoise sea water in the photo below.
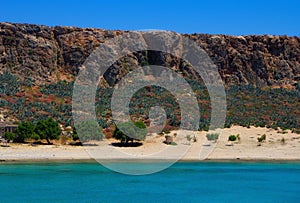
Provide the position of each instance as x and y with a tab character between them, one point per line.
183	182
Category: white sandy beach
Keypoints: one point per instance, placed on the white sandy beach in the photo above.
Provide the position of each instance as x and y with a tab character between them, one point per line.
154	148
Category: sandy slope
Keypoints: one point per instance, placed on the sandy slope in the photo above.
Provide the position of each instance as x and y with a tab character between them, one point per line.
153	148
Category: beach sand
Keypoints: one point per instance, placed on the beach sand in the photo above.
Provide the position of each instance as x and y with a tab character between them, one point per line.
153	148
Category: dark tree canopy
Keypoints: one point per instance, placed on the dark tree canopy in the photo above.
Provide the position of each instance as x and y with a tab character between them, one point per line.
24	131
48	129
118	134
9	136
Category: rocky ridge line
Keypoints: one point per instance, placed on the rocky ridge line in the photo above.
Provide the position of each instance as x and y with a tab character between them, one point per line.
47	54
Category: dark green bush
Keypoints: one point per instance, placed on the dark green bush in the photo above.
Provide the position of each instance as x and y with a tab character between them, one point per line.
35	136
24	131
9	136
232	138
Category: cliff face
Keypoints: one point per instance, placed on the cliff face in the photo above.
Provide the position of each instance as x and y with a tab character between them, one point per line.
48	54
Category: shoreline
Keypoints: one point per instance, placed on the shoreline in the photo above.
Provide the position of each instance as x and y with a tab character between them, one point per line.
154	150
70	161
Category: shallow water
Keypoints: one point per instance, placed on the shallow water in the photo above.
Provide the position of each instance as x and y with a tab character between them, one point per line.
183	182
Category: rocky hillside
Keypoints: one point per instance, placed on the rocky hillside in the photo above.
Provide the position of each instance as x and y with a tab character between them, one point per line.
48	54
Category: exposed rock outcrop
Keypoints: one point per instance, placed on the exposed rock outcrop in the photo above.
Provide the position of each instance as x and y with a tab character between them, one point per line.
48	54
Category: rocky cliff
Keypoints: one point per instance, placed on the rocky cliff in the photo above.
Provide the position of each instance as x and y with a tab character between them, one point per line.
47	54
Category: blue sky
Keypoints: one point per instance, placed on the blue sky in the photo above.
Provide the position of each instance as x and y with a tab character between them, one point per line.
214	17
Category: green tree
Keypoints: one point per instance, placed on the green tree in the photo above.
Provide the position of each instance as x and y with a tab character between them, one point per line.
9	136
88	130
75	136
35	136
24	131
118	134
48	129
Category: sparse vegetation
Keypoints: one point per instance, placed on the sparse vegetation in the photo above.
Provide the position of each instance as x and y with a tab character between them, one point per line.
247	105
297	131
212	136
10	84
282	140
189	138
238	137
165	131
261	138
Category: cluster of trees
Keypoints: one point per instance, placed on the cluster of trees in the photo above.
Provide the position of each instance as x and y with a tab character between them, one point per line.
45	129
88	130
